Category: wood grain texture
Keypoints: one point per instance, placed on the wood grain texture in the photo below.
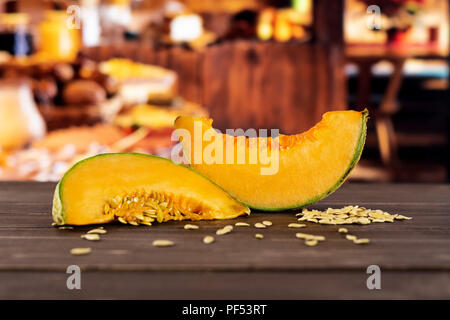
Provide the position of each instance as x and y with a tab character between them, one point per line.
249	83
414	255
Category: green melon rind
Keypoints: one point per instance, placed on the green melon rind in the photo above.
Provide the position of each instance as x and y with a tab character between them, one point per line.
58	214
355	159
57	209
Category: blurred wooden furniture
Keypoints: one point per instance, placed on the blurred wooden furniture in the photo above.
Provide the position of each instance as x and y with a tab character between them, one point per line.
250	83
366	56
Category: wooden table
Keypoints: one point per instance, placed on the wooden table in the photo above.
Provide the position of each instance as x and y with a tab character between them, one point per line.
414	256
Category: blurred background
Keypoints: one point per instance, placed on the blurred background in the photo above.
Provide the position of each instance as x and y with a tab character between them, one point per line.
78	78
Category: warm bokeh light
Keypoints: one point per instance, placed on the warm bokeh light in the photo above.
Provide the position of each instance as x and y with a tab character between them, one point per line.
186	27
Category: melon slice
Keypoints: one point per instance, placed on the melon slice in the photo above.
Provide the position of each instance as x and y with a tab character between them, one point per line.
310	165
138	189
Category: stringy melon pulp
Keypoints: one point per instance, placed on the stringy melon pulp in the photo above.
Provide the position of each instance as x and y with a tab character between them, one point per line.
311	164
138	189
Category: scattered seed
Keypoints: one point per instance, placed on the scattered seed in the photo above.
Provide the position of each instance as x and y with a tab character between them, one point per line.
259	225
80	251
311	242
91	237
208	239
304	235
163	243
296	225
400	217
122	220
228	227
267	223
190	227
259	236
350	237
309	236
342	230
65	228
361	241
242	224
98	230
223	231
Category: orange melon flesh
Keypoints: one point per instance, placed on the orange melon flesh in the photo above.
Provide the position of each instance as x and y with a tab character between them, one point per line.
81	195
311	164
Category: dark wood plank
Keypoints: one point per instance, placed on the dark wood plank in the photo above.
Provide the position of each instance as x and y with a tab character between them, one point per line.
418	248
224	285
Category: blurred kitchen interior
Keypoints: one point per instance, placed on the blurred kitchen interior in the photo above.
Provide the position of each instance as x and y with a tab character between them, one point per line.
117	82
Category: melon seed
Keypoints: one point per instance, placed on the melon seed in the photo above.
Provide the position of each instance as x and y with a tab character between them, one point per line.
122	220
304	235
259	236
311	242
98	230
400	217
91	237
296	225
309	236
223	231
66	228
259	225
241	224
208	239
163	243
190	227
267	223
361	241
350	237
80	251
342	230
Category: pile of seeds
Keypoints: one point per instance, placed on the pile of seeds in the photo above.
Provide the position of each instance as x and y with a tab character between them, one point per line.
348	215
146	207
